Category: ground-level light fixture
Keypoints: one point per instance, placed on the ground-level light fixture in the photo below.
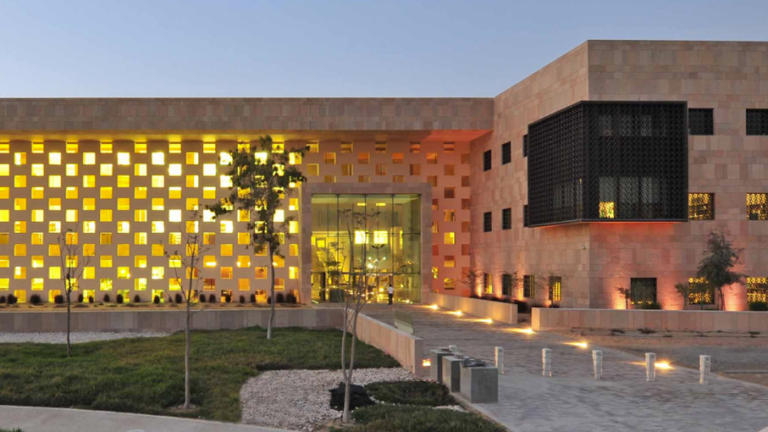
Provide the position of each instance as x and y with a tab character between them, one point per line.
523	330
583	345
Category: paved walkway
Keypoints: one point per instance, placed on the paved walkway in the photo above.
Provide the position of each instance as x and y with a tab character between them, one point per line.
571	400
33	419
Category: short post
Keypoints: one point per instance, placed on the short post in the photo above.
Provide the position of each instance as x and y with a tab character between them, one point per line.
500	359
453	348
597	364
546	362
705	366
650	367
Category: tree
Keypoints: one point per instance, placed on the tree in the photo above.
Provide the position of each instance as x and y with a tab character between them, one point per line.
356	297
73	265
195	250
685	291
716	267
626	293
472	279
262	177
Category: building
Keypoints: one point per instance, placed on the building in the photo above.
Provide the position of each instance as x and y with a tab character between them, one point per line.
606	168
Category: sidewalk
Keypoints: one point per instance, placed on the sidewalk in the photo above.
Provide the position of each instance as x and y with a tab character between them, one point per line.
34	419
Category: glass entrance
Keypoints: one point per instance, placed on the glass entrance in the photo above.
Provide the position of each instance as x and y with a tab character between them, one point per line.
381	233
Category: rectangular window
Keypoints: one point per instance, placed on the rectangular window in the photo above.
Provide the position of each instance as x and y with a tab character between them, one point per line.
346	147
487	222
701	206
700	292
415	169
380	147
506	219
364	158
414	147
701	121
140	170
555	289
346	170
487	160
398	158
431	158
507	283
525	215
525	145
506	153
757	290
487	283
449	192
381	169
209	148
757	206
642	291
329	158
757	122
529	286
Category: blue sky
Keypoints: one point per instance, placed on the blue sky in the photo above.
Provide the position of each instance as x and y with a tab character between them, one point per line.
386	48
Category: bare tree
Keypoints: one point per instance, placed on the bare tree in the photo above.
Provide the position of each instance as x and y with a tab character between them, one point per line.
626	293
359	292
472	279
73	265
261	179
195	249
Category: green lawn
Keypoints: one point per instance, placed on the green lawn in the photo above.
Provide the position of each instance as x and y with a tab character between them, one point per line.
146	375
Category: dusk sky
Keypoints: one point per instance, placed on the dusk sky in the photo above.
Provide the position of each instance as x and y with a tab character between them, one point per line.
237	48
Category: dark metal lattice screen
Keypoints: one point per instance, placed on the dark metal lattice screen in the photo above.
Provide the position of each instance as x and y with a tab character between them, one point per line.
757	122
701	121
642	291
609	161
529	286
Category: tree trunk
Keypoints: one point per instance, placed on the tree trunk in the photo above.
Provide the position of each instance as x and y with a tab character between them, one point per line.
69	325
271	291
187	351
348	384
345	413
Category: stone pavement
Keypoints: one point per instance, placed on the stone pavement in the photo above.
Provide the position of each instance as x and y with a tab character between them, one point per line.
34	419
571	400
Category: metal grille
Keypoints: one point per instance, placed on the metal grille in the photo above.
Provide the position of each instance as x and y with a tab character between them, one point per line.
487	158
487	283
700	292
701	121
757	289
701	206
529	286
506	153
609	161
506	284
642	291
555	288
757	122
506	218
757	206
487	222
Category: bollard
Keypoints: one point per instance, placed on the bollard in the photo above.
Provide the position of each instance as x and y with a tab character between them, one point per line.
546	362
597	364
453	348
650	367
500	359
705	366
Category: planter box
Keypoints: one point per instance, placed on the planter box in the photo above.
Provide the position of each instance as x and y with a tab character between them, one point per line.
480	384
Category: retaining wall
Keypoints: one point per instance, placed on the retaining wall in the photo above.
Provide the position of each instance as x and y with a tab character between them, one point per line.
497	311
405	348
658	320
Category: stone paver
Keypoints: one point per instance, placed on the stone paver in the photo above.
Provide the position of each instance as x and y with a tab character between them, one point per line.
571	400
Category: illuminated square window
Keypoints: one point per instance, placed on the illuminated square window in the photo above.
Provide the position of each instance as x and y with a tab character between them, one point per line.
193	204
5	215
19	272
174	192
174	147
89	181
226	250
5	192
293	249
158	158
449	238
54	181
89	273
243	238
174	261
293	227
209	193
20	158
123	250
123	203
329	158
54	250
105	261
243	284
5	170
54	273
140	261
225	181
123	227
225	158
192	227
105	192
279	216
105	170
140	192
174	215
54	227
226	272
449	261
293	272
158	181
89	249
54	158
38	284
243	261
294	158
89	227
123	181
89	158
105	284
158	250
105	238
158	226
71	192
209	238
243	215
140	284
209	170
38	216
193	181
71	215
397	158
72	147
106	147
37	238
158	204
140	170
123	158
209	261
38	193
227	227
209	147
174	169
123	273
279	284
279	261
89	203
140	238
140	147
158	272
174	238
37	261
105	215
71	170
20	181
193	158
20	204
140	215
38	170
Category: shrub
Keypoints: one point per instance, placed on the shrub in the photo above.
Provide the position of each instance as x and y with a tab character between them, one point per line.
646	330
242	299
179	298
358	397
156	299
269	300
119	299
279	298
58	299
253	298
290	298
554	306
107	298
392	418
228	298
424	393
35	299
522	306
2	299
758	306
212	298
653	306
12	300
201	299
80	298
90	299
473	295
137	299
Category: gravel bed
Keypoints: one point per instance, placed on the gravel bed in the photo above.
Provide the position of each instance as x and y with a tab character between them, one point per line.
299	399
75	337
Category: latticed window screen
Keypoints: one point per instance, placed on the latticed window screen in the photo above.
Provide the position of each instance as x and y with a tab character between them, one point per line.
487	222
506	218
642	291
487	283
701	121
757	206
757	122
757	289
701	206
525	145
555	288
529	286
506	284
506	153
700	292
487	160
609	161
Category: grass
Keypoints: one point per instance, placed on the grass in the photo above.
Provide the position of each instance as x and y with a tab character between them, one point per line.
423	393
395	418
146	375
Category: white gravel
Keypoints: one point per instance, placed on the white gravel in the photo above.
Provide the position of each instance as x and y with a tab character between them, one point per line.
300	399
75	337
